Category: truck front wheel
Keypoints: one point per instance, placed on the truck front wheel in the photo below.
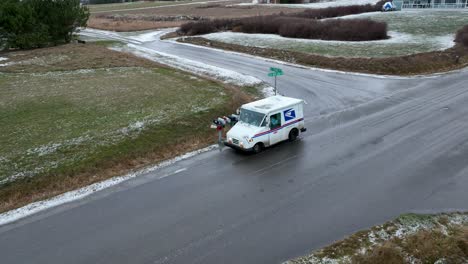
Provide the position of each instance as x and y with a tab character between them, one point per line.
293	134
257	148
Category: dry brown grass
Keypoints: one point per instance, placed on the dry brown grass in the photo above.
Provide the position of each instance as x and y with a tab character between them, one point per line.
388	253
205	11
422	63
432	245
130	25
428	246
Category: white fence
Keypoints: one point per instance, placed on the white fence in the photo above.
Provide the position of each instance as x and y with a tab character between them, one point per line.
436	4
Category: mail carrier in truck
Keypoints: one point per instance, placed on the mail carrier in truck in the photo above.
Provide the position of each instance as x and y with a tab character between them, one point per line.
266	122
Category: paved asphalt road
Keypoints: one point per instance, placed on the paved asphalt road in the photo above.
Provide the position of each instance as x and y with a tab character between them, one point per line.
367	157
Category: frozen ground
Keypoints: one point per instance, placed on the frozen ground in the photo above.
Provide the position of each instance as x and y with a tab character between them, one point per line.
410	32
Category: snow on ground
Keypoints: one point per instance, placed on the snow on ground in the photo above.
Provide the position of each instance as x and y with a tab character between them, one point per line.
321	4
99	34
195	67
146	37
398	44
249	39
71	196
4	64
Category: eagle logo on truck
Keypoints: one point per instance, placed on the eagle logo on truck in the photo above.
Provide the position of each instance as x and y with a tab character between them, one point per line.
289	114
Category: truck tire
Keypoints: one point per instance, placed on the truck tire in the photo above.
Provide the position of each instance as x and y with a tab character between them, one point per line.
293	134
257	148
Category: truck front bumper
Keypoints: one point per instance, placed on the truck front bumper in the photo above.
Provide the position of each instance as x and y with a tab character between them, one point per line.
237	147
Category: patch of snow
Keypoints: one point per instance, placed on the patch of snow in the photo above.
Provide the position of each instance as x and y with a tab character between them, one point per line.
30	173
44	150
147	37
71	196
104	34
195	67
435	75
445	42
322	4
250	39
137	126
5	64
268	91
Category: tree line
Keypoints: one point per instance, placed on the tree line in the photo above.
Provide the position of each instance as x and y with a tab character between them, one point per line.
26	24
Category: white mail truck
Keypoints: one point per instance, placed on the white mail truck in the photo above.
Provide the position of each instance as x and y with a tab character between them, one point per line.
266	122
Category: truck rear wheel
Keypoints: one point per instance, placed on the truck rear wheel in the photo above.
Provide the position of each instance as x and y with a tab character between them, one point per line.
293	134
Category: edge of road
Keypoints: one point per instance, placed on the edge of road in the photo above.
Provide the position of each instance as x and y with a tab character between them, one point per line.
14	215
377	76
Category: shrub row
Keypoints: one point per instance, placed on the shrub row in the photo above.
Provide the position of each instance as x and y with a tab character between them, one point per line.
207	26
346	30
305	24
462	36
339	11
292	27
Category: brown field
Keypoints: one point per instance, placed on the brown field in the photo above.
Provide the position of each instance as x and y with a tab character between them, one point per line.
154	18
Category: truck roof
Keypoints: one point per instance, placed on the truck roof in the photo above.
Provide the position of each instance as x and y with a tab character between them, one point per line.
272	103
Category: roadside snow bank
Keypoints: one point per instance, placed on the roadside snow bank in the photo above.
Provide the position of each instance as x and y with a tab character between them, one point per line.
147	37
195	67
71	196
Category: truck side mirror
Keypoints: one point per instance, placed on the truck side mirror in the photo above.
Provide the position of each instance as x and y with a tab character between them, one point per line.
238	111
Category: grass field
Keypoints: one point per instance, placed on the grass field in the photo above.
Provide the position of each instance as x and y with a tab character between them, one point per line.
77	114
60	118
411	32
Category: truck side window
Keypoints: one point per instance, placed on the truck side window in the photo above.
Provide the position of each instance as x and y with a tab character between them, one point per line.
275	121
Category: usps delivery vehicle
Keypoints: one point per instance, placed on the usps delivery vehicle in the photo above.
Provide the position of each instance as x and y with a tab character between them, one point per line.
266	122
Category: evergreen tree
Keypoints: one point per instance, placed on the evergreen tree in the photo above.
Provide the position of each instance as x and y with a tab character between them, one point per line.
38	23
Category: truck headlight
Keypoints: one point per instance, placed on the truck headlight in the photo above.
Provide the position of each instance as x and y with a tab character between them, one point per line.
230	140
241	145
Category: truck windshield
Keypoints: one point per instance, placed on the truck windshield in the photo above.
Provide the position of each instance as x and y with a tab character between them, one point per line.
251	117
